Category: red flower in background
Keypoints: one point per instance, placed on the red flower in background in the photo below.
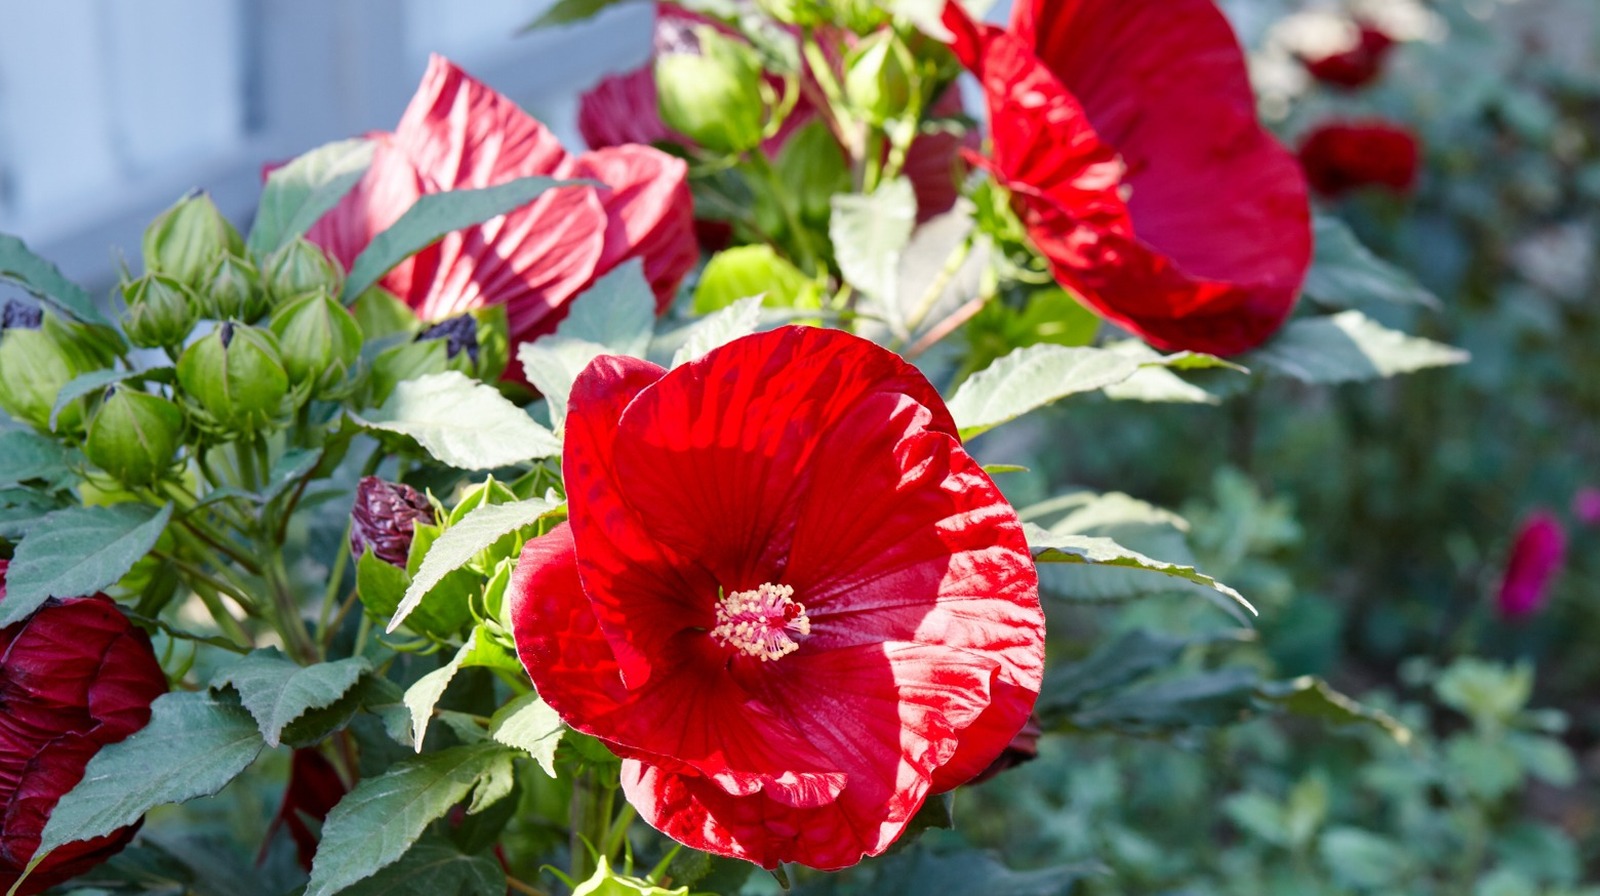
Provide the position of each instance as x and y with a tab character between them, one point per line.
1536	558
1356	66
1127	134
785	595
1586	506
1343	156
313	790
458	133
74	676
624	109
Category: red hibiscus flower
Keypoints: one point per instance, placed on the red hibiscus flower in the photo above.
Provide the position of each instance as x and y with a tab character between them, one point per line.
785	595
458	133
1536	559
313	790
623	109
1356	66
1344	156
74	676
1126	133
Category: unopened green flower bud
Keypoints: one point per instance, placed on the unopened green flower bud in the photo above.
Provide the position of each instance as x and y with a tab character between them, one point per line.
134	435
802	13
187	239
160	311
40	353
880	77
717	98
236	376
232	290
298	268
319	340
813	168
861	16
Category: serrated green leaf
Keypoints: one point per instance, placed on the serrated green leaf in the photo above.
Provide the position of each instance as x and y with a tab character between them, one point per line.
1116	664
297	195
1055	547
277	690
1031	378
424	694
434	867
78	551
462	422
1314	698
27	455
1207	699
377	822
195	744
1345	273
869	234
719	328
461	542
1347	347
529	724
43	279
613	317
567	12
435	214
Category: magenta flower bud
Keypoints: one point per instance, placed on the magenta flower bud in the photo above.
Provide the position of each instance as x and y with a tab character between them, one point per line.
385	517
74	677
1586	506
1536	558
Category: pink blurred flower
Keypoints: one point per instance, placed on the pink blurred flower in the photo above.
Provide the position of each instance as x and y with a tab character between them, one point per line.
1586	506
458	133
1536	559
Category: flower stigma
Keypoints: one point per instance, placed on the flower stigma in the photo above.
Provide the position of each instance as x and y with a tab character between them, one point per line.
763	623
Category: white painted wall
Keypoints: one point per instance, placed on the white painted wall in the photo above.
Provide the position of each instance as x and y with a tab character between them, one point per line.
112	109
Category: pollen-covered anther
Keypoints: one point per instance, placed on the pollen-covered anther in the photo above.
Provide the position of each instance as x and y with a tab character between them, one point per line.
766	623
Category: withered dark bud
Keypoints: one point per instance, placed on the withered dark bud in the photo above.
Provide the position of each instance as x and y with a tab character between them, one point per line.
20	316
460	334
384	519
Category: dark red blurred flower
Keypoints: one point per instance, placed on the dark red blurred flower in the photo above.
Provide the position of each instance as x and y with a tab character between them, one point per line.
785	595
74	676
623	109
1342	156
384	518
458	133
1536	559
1586	506
1126	132
313	790
1355	66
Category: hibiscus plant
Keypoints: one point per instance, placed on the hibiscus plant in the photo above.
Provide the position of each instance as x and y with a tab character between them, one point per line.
492	516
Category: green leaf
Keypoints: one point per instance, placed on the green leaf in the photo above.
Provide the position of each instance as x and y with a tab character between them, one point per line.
566	12
748	271
195	744
45	280
1054	547
434	215
1131	656
78	551
297	195
27	455
1207	699
1344	273
423	695
277	690
1314	698
941	269
920	871
869	233
462	422
719	328
433	867
1258	814
1362	859
1155	383
529	724
614	317
1346	347
377	822
461	542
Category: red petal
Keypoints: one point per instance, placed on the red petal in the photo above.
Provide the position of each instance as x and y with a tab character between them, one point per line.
622	109
390	186
650	213
887	712
934	163
716	456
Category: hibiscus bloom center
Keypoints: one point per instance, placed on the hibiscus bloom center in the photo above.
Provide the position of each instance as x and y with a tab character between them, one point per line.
766	622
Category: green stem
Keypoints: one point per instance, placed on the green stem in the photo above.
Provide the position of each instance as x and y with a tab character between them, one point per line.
212	599
198	531
590	817
335	578
808	257
936	289
296	637
245	458
619	830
